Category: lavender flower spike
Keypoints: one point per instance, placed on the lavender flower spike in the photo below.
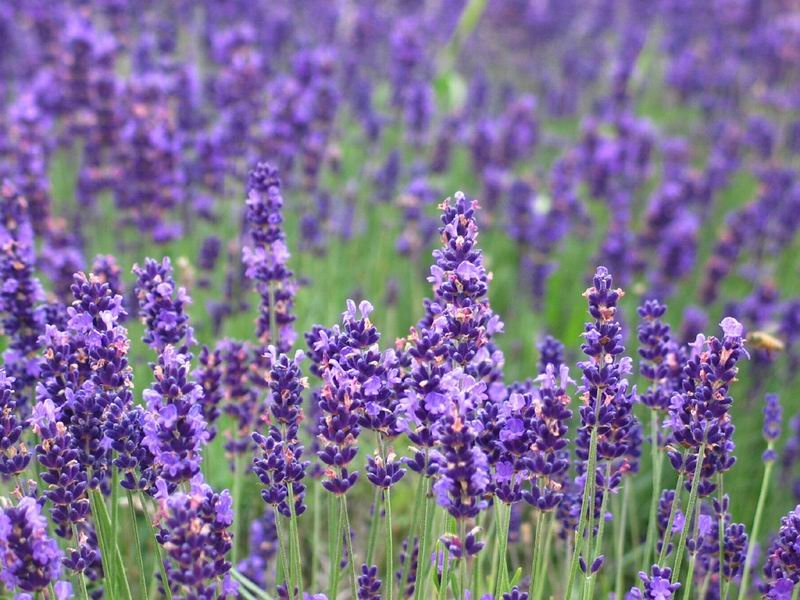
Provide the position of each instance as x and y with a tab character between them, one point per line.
193	529
162	306
266	260
30	560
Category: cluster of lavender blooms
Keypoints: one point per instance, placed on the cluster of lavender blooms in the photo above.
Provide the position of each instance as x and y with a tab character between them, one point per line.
130	125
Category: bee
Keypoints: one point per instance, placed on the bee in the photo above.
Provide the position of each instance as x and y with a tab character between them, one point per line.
762	340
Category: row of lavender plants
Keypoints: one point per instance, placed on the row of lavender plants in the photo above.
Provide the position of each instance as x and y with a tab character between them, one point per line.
483	452
435	458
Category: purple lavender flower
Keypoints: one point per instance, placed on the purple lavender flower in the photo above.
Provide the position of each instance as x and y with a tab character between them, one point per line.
85	373
660	360
266	260
773	415
14	454
462	476
515	594
608	401
30	559
280	463
106	270
700	413
369	585
162	306
782	567
193	529
545	419
28	136
412	558
60	257
149	156
209	377
551	352
656	585
66	480
240	398
174	429
21	295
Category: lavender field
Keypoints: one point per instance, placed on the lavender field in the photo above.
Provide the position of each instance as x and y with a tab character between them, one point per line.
409	299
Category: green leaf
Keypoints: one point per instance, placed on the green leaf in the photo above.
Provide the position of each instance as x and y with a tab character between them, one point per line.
252	589
111	557
517	577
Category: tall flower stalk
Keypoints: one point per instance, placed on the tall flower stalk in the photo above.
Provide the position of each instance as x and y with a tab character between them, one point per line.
605	433
773	415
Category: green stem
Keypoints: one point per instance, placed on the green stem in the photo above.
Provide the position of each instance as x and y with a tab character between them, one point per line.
159	552
115	487
424	547
598	547
620	541
317	525
671	520
372	535
756	529
657	461
445	581
687	592
351	559
590	475
414	527
285	565
692	563
689	512
544	556
138	541
334	544
537	532
389	549
504	520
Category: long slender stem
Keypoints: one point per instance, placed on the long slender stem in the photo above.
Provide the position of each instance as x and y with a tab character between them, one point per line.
692	563
414	528
285	565
140	556
544	556
351	559
598	547
657	461
445	581
620	541
537	533
334	544
590	475
756	528
372	534
115	487
317	525
671	520
294	543
689	512
424	547
504	520
389	544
